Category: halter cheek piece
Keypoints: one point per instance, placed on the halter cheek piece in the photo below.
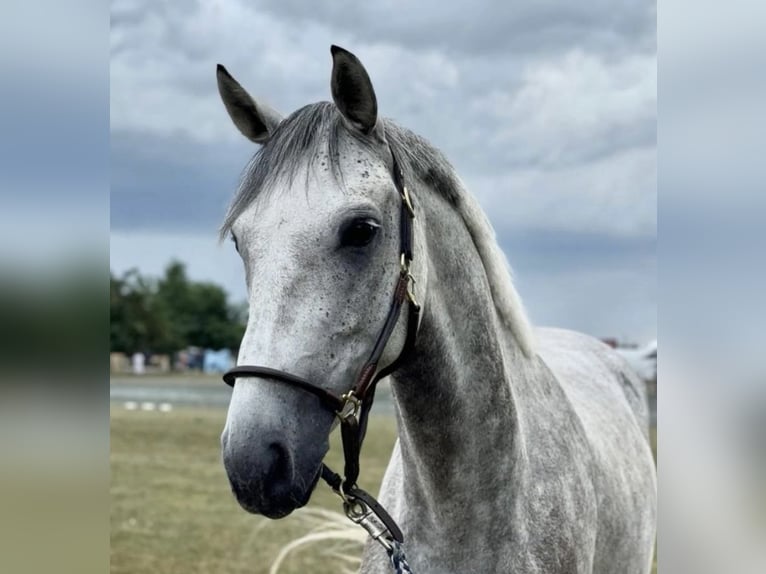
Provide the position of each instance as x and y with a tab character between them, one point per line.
353	407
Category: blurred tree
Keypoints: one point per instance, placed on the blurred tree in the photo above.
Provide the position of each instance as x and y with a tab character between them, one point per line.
173	302
138	321
171	314
128	307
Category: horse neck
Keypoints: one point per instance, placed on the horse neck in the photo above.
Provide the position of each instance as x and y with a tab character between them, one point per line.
457	413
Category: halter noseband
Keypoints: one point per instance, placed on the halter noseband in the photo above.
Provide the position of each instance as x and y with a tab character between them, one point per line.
353	407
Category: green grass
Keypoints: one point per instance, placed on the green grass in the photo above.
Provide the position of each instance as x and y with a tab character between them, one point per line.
172	510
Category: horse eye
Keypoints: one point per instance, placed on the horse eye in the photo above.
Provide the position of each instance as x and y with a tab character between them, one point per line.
359	233
234	240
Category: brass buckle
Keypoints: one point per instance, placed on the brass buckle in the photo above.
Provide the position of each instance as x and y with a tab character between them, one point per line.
410	281
411	291
408	201
351	406
404	265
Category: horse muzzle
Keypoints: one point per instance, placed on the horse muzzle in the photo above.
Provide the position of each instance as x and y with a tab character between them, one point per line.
264	476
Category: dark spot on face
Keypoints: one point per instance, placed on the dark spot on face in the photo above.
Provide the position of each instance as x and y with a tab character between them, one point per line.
366	173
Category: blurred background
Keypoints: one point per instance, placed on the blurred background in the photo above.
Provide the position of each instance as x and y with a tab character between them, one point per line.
549	112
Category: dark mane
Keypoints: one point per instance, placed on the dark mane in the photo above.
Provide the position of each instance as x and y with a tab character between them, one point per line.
316	130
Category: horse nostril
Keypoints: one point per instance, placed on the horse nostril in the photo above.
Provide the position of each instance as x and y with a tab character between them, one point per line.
279	466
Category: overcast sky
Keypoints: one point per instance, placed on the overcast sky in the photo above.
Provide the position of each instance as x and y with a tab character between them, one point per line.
547	110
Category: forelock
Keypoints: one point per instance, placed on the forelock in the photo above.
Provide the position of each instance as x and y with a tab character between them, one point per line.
317	130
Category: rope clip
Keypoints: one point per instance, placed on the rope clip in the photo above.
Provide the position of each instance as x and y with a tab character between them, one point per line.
359	513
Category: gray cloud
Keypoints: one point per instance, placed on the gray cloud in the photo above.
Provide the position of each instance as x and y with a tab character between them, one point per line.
547	109
485	26
171	184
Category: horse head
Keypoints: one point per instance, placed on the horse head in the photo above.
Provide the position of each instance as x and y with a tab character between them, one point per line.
316	222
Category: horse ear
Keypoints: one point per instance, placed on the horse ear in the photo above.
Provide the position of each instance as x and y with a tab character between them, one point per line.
352	90
256	121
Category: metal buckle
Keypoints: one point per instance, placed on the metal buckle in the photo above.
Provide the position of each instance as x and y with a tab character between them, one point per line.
411	291
408	201
404	265
351	406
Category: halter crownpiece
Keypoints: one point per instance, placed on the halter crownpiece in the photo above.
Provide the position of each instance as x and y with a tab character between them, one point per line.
353	407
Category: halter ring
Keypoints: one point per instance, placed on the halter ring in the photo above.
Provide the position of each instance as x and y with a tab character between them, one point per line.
351	405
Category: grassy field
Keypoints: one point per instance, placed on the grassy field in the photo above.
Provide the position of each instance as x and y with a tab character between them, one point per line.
172	510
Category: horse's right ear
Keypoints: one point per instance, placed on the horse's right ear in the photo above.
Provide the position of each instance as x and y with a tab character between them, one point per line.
256	121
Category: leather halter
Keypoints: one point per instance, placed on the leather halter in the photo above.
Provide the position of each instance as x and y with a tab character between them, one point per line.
353	407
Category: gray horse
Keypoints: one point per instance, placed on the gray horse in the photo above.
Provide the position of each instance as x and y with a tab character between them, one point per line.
519	450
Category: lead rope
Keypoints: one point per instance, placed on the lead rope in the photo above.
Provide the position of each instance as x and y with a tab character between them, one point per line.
398	559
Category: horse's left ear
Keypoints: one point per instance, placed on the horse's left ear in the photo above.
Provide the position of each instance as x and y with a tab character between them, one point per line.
352	90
